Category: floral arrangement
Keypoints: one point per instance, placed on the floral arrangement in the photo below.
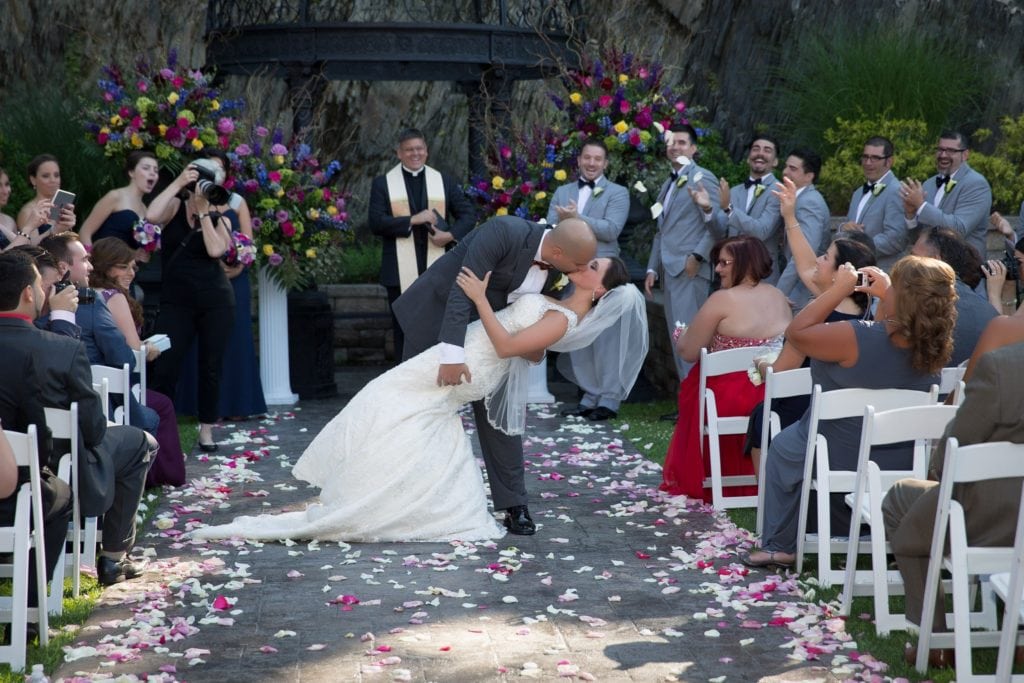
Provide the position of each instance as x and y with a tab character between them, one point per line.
147	234
171	110
297	214
242	250
526	173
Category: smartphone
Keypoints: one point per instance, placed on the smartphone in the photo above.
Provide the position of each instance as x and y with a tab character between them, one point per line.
862	280
61	199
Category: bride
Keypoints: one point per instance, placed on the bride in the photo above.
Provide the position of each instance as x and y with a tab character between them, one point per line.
396	464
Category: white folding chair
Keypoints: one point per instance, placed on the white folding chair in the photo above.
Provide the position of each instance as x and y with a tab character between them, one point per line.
711	365
140	367
819	475
922	425
119	382
19	539
966	464
785	384
102	389
1009	587
63	424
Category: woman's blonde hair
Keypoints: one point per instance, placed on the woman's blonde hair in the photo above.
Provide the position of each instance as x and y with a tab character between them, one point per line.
925	303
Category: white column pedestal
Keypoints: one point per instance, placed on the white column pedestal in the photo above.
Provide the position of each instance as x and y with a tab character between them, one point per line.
274	368
538	384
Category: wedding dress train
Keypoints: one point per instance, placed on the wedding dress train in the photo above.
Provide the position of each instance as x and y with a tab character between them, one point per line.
396	464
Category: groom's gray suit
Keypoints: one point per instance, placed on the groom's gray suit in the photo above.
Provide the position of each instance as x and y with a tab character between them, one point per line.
434	309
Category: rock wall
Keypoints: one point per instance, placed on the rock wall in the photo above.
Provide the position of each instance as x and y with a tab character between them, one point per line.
726	52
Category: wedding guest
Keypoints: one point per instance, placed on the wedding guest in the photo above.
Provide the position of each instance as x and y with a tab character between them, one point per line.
241	390
875	206
419	213
34	217
995	276
116	214
746	311
114	267
905	348
196	299
10	235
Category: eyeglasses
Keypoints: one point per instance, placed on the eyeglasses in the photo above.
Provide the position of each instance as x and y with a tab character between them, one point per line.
950	151
873	157
725	262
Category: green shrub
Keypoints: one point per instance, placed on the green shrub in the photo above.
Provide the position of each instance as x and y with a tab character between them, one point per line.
355	263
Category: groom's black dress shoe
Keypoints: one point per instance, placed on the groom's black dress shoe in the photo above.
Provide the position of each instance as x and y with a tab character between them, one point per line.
601	413
578	411
518	521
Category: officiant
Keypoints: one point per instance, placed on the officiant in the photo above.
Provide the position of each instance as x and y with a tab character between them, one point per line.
419	213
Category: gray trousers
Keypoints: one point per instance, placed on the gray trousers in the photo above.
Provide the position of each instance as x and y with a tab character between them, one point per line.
683	298
595	369
130	451
783	476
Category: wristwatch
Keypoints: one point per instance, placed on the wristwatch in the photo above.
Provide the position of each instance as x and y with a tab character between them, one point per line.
700	259
728	210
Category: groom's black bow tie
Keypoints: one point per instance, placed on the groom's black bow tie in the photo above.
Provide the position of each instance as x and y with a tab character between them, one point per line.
585	183
941	180
542	265
749	182
868	187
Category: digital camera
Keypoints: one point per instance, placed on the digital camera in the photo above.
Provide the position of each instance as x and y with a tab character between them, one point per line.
209	183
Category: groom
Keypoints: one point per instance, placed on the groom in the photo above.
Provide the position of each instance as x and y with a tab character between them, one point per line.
519	255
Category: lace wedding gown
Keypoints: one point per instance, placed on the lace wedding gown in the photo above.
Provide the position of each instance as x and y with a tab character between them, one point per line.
396	464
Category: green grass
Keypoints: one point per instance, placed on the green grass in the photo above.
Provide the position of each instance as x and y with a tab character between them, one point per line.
646	429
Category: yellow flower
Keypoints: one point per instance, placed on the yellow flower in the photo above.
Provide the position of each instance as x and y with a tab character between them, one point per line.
280	193
136	141
502	211
541	195
311	253
268	249
313	214
104	129
173	98
621	127
575	98
332	210
497	182
623	79
278	159
197	144
214	105
560	175
115	120
163	130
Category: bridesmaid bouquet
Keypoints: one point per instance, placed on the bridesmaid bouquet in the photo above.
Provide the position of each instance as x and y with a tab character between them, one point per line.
147	234
242	250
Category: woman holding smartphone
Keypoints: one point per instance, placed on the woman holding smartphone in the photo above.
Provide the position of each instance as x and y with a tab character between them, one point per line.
196	298
36	219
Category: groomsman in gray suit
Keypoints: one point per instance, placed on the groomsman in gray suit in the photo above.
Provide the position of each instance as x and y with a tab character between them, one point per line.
803	167
603	206
875	206
682	245
750	208
956	197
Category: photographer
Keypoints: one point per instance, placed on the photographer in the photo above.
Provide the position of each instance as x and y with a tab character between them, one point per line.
196	298
998	271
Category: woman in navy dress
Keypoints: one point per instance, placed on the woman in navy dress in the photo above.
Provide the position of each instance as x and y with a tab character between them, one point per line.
117	213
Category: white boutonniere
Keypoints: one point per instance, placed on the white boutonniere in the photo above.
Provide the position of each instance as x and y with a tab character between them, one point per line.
560	283
758	191
597	192
877	189
681	180
950	184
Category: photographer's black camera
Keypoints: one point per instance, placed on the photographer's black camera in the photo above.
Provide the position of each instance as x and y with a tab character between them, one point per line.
208	184
1009	260
86	295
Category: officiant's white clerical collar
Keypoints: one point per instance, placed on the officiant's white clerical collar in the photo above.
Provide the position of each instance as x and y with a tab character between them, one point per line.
540	247
411	172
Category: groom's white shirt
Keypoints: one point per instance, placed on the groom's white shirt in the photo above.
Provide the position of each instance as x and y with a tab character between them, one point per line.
533	283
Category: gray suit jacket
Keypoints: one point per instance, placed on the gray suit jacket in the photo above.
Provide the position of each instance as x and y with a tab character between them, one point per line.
883	220
605	214
813	217
682	229
762	221
434	309
965	208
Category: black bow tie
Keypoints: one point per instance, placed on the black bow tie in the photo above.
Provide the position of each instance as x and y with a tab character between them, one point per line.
585	183
868	187
749	182
542	265
941	180
674	175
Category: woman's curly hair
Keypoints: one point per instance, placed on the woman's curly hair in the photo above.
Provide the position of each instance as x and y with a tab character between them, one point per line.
925	303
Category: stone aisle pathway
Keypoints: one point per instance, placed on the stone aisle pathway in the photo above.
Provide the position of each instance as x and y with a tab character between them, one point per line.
619	584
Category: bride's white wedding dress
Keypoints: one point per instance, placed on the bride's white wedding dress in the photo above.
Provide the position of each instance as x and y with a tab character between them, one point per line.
396	464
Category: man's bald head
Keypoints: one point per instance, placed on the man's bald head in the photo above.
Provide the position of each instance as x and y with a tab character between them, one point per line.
570	245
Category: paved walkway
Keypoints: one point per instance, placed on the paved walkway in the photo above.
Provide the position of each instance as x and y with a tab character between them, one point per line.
619	583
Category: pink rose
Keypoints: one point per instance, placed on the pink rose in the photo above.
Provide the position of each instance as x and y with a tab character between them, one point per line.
287	229
182	122
275	176
262	132
624	106
142	86
225	125
102	138
604	101
243	150
177	81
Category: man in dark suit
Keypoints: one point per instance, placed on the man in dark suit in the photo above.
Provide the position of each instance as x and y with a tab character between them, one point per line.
991	411
875	206
803	167
956	197
521	257
61	376
419	213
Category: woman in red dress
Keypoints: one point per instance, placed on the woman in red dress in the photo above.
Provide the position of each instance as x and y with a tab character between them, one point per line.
744	312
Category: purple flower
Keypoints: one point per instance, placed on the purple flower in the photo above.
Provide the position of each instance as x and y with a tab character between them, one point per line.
243	150
262	132
167	74
225	125
251	186
257	223
275	259
278	149
281	215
